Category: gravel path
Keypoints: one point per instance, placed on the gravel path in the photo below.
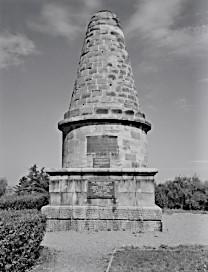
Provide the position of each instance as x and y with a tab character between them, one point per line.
83	252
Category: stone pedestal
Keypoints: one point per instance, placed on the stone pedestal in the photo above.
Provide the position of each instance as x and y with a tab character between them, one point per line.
102	199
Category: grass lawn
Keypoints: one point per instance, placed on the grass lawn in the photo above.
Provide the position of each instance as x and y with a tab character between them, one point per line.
167	259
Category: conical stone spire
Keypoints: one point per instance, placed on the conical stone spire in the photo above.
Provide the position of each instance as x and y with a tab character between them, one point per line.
104	87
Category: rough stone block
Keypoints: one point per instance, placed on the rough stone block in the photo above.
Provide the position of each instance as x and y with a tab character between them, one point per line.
135	135
67	198
130	157
54	186
125	185
55	198
126	199
148	198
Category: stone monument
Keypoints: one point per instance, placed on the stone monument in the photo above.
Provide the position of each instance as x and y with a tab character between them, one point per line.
104	182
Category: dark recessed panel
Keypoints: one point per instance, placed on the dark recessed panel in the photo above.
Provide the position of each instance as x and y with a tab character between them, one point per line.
102	144
100	189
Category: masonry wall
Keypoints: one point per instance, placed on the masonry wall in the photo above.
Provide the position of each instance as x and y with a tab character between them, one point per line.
126	147
127	190
104	77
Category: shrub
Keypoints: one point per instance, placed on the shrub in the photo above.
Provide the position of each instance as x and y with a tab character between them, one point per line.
188	193
31	201
3	186
21	233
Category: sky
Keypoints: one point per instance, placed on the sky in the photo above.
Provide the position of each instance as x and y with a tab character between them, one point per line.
40	46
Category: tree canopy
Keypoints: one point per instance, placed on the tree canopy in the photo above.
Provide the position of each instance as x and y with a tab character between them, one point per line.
36	181
188	193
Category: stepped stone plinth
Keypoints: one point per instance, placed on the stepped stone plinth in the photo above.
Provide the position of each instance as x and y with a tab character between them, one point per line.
104	182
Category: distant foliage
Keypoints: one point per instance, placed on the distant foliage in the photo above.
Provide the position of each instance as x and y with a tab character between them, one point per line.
188	193
10	190
21	233
3	186
20	202
37	181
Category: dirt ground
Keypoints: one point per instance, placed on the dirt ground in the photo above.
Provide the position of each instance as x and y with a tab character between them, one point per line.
90	252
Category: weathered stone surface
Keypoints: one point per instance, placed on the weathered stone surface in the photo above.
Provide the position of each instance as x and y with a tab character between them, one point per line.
104	65
104	183
128	150
132	200
102	218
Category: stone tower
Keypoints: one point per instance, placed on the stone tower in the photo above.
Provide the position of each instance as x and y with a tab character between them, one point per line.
104	183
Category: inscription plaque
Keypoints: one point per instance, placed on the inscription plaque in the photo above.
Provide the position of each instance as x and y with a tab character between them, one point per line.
102	144
100	189
101	162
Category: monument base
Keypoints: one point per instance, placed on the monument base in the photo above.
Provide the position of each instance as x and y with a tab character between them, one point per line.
76	218
102	200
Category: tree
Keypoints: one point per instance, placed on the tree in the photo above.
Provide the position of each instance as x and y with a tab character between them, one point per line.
161	197
37	181
3	186
188	193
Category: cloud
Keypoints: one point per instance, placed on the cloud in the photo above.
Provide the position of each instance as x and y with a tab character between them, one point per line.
154	17
92	4
182	103
204	80
190	40
63	21
155	22
200	161
56	21
146	67
13	49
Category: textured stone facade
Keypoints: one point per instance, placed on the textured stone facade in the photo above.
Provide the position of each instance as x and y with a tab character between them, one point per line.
129	149
104	84
105	182
129	188
125	200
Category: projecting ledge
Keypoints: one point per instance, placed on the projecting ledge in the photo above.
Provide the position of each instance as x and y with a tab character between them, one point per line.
99	171
76	122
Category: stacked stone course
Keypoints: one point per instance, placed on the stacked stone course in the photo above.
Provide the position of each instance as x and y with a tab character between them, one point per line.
105	83
104	183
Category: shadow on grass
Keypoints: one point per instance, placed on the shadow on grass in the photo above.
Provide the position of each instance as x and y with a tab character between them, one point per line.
164	259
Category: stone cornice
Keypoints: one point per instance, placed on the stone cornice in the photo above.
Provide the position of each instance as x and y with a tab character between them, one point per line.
73	123
145	171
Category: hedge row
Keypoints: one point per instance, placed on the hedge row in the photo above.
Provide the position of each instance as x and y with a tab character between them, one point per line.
21	233
187	193
19	202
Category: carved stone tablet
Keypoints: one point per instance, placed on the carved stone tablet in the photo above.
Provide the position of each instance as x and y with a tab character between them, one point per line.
100	189
101	162
102	144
